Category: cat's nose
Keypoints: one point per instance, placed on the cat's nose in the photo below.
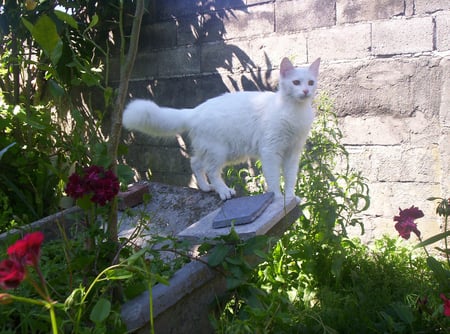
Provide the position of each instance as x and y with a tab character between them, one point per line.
306	91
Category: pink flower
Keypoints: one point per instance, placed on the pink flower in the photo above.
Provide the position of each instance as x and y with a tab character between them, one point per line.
405	222
27	250
12	273
446	305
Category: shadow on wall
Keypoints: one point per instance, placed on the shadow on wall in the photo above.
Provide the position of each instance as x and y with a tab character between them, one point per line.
184	59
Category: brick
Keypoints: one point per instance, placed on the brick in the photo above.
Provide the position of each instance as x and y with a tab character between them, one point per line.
431	6
304	14
402	36
367	10
443	31
333	43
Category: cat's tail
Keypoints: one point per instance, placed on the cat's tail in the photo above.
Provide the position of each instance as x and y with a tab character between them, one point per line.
147	117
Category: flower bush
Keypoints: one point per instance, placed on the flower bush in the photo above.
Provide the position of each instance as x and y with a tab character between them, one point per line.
441	271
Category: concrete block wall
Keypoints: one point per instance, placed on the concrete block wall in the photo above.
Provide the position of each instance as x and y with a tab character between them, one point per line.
385	63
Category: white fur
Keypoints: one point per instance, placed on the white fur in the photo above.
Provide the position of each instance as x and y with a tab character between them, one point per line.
232	127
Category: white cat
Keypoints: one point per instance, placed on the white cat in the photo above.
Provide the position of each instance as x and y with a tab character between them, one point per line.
230	128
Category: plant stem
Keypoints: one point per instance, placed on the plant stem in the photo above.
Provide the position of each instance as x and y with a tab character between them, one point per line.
446	239
53	318
125	73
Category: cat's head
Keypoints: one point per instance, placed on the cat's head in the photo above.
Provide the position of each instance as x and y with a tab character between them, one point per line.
299	83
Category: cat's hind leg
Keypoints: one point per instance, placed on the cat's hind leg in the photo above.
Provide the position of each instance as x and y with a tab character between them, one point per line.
200	176
214	173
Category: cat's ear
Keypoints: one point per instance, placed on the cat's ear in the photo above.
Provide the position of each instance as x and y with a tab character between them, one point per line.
285	67
314	67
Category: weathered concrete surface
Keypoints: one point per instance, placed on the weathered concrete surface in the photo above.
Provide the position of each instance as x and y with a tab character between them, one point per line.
170	210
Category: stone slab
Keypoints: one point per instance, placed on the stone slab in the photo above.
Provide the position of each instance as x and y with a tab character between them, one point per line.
242	210
203	229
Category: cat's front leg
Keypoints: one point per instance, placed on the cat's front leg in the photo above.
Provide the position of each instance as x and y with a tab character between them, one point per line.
271	164
290	173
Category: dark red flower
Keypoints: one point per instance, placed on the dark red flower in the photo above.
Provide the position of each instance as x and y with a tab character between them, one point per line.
446	305
405	222
28	249
75	187
413	212
101	185
12	273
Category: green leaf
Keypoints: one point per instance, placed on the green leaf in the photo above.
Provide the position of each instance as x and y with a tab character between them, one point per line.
3	151
100	311
404	313
218	254
93	22
63	16
136	256
125	174
433	239
118	274
46	35
55	89
233	283
440	273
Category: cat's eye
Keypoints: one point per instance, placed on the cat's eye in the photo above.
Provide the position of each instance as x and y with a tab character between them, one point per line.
296	82
311	82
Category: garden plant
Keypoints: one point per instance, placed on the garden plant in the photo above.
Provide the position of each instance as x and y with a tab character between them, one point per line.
54	66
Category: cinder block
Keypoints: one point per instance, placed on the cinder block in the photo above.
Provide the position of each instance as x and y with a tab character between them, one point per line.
381	87
252	21
402	36
158	35
430	6
340	42
190	28
387	197
256	53
443	31
168	62
299	15
367	10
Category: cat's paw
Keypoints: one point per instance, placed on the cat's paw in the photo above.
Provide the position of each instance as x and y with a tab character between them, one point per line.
226	193
205	187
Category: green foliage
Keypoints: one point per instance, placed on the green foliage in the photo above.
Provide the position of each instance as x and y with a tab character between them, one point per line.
87	289
317	280
54	66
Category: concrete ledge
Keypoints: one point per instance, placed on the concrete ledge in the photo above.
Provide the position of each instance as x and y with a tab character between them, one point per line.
185	305
203	229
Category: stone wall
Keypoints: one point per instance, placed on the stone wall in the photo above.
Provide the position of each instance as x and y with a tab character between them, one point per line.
385	63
